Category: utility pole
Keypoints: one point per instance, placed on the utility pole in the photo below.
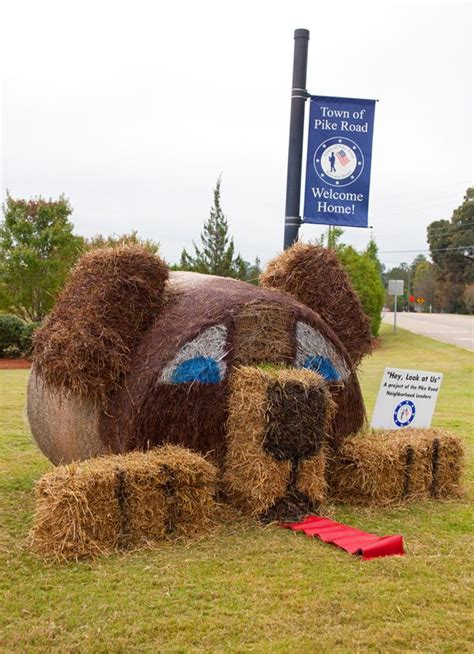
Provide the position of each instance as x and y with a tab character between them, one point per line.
395	287
299	95
395	314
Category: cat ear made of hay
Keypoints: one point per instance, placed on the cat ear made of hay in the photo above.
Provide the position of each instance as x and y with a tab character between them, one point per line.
111	299
316	278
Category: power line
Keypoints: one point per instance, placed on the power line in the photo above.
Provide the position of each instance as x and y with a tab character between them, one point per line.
399	251
410	206
457	247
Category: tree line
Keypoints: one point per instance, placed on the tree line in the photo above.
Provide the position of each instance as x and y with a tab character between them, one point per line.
38	248
446	283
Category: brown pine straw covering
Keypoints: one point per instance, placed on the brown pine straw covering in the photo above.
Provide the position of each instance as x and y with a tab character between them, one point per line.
386	467
147	411
111	299
349	416
273	455
315	277
120	502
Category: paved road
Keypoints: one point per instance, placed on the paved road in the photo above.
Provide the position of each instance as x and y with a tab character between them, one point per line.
446	327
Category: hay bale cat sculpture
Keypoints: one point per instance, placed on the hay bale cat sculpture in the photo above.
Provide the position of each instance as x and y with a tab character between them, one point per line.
262	380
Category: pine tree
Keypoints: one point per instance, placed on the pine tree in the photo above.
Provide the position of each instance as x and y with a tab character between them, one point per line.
216	254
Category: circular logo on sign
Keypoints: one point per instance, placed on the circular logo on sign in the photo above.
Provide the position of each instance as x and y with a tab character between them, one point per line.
338	161
404	413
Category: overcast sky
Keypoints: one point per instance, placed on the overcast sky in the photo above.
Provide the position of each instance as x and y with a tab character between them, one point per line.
133	109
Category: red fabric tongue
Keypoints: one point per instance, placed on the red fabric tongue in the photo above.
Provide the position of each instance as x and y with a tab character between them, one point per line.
354	541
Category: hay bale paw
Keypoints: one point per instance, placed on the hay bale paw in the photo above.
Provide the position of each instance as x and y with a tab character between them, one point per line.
118	502
387	467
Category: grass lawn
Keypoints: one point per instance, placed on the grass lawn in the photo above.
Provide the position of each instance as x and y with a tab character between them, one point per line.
251	588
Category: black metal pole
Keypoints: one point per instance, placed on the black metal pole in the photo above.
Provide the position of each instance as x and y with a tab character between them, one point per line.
295	149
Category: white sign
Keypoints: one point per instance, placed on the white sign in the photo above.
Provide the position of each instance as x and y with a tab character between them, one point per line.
407	398
395	286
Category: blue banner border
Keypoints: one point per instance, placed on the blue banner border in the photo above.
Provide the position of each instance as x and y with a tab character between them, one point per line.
340	221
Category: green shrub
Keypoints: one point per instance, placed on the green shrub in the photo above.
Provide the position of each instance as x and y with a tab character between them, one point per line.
365	276
11	335
27	338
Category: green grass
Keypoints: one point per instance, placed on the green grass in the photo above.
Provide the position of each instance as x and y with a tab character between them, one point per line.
251	589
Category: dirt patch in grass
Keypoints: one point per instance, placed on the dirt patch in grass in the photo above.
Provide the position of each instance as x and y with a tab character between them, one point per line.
14	364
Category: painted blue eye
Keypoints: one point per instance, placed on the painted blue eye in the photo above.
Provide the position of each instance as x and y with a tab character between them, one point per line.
323	366
201	369
315	352
201	360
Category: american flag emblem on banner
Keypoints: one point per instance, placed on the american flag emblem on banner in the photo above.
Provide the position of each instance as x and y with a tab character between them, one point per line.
341	155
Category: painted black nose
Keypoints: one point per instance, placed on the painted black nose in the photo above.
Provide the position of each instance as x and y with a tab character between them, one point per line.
295	421
294	506
295	430
275	461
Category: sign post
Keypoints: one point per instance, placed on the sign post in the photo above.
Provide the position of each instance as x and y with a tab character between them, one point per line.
339	155
299	96
395	287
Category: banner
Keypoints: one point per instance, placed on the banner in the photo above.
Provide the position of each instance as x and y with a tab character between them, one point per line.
338	161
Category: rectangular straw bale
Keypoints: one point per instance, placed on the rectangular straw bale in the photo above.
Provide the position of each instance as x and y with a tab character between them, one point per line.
277	427
264	332
393	466
312	477
122	501
447	465
252	479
